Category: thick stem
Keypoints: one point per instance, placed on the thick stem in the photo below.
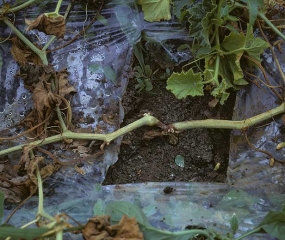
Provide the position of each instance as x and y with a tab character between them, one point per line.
228	124
151	121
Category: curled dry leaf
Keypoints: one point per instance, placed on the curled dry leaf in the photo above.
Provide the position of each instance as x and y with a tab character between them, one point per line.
98	228
44	100
22	54
64	87
48	24
38	79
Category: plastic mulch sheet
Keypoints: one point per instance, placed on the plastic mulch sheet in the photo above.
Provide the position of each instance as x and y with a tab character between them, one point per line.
99	65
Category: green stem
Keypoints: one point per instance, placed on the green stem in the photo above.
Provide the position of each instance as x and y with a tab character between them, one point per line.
58	6
270	24
40	187
59	235
255	230
42	54
266	20
228	124
20	7
148	120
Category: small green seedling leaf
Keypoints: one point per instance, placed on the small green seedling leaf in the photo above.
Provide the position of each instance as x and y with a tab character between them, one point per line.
185	83
179	160
156	10
234	223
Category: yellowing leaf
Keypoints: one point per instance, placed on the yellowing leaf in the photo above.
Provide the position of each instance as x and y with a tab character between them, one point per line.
185	83
155	10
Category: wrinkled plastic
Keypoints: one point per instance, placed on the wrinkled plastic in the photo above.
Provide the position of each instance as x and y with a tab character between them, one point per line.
253	187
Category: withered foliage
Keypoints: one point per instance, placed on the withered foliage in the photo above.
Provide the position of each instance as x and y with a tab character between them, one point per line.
47	24
99	228
23	54
20	181
48	88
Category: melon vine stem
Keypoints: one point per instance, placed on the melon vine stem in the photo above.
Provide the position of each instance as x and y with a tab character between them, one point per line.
148	120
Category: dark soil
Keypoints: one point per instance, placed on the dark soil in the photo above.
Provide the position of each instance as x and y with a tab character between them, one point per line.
154	160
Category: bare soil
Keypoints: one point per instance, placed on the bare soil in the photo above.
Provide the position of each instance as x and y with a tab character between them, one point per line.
154	160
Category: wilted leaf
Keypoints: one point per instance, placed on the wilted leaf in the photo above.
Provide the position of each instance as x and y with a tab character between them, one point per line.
156	10
22	54
44	100
64	87
49	25
98	228
185	83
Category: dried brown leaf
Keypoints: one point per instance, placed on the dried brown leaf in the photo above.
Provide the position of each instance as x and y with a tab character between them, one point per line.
126	229
98	228
64	87
48	25
44	100
213	103
22	54
95	228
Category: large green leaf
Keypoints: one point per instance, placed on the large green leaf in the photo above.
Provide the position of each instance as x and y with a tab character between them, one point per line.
201	21
21	233
274	224
155	10
185	83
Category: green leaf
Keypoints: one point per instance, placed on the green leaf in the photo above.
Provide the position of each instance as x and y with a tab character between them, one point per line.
220	92
254	47
180	6
108	71
234	223
179	160
95	68
21	233
118	208
110	74
273	224
1	206
155	10
185	83
148	71
253	8
99	208
201	21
